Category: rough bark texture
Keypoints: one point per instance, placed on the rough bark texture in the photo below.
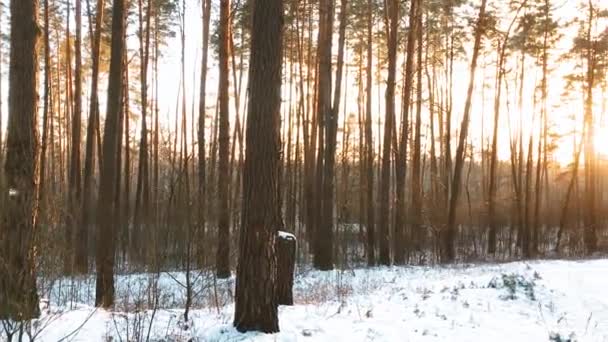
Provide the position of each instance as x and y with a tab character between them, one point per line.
256	297
331	129
323	256
223	246
18	294
106	243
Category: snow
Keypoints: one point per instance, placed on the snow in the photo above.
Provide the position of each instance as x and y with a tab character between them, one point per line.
547	300
286	236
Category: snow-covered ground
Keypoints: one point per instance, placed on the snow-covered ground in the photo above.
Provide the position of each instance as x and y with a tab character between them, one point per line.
522	301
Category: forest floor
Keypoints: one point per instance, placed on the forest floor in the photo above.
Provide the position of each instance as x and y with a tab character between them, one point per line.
519	301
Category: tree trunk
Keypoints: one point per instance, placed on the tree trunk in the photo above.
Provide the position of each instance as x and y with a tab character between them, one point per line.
202	155
389	122
1	92
47	107
223	247
590	235
414	38
323	256
256	282
75	176
369	145
448	248
142	190
82	235
500	72
104	295
18	293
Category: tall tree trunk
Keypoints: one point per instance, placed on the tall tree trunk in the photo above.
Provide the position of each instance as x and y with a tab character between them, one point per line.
448	248
542	148
589	235
82	234
449	77
65	138
1	89
500	72
104	295
331	130
414	38
369	145
18	293
434	169
47	107
256	300
202	155
156	138
537	192
545	90
527	232
309	137
142	191
323	256
223	246
75	177
494	156
389	122
571	188
120	211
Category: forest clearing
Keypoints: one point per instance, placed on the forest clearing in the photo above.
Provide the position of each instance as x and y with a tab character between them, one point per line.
523	301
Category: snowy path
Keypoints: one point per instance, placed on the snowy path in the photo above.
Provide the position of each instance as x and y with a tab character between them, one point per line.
461	303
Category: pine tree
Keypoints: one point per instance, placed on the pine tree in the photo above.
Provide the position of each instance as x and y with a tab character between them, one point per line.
223	247
106	210
256	300
18	292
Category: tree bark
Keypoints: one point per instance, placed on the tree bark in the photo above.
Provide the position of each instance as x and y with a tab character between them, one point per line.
323	256
18	293
106	243
75	175
47	107
223	246
416	194
256	298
